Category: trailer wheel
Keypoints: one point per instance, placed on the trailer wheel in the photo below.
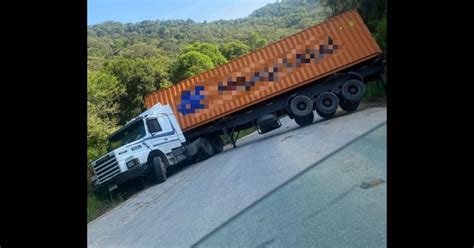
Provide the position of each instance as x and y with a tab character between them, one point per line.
348	106
353	90
206	150
306	120
301	106
159	169
217	143
326	104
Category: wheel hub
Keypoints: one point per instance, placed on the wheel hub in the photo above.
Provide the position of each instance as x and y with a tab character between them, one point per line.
353	89
327	102
301	106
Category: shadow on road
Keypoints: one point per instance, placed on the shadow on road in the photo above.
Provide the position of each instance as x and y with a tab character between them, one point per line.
136	185
283	130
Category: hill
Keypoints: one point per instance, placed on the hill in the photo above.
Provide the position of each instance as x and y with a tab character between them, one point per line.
271	22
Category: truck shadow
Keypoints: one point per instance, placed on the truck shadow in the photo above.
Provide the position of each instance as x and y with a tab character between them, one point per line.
129	188
287	128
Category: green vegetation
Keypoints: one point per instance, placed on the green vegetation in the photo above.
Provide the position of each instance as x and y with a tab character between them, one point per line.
374	13
210	50
234	49
97	206
376	91
128	61
191	63
242	134
246	132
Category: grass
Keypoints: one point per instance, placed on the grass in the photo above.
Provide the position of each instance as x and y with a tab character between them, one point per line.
97	206
242	134
246	132
375	92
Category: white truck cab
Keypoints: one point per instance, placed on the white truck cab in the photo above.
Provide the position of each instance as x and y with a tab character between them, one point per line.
151	141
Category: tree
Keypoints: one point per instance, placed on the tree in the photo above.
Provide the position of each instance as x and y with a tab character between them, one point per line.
374	13
208	49
305	23
140	50
103	94
234	49
98	129
272	22
190	64
255	41
381	33
261	43
95	63
139	77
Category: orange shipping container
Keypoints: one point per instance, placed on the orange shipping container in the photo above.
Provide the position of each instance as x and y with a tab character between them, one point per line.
313	53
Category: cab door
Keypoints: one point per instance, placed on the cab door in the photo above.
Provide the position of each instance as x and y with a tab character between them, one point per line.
162	134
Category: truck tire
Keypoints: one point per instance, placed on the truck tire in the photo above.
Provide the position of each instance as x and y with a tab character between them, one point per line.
306	120
326	104
159	169
301	106
353	90
206	150
217	143
348	106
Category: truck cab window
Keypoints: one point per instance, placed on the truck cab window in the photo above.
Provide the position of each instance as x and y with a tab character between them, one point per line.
126	135
153	125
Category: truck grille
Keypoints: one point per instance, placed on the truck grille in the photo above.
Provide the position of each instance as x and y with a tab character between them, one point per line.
106	168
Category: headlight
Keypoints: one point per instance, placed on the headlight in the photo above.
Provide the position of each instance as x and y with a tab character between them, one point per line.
133	162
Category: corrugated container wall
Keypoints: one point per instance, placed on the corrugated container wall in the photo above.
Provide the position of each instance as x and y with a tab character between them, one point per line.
313	53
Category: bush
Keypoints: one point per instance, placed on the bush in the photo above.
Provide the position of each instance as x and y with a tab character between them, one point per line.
375	91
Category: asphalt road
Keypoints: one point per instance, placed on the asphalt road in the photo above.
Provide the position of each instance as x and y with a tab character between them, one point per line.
200	198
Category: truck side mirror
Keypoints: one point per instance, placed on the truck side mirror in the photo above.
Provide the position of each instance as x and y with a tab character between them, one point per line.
153	125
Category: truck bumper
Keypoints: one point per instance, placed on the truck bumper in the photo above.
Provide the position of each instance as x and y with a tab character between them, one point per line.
134	172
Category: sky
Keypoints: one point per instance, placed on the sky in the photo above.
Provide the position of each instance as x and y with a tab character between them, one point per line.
126	11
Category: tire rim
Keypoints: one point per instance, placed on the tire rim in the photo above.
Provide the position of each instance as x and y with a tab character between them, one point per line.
353	90
301	106
327	102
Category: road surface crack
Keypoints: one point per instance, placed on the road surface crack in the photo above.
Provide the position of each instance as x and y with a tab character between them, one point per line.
265	244
333	202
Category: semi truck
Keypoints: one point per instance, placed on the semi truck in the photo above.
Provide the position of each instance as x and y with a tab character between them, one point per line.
319	69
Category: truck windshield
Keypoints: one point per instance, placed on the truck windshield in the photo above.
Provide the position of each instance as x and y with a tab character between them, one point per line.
133	132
